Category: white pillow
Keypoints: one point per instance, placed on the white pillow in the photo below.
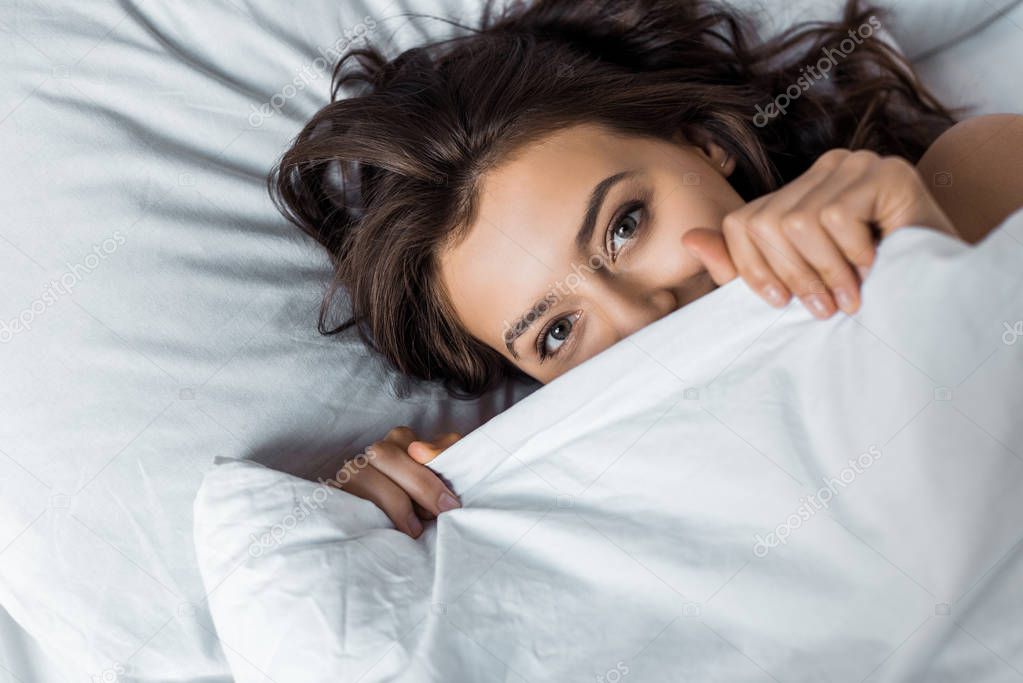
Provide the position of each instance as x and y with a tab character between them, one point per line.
918	27
157	311
923	27
966	74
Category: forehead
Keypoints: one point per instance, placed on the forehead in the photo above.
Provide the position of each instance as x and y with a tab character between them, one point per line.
523	237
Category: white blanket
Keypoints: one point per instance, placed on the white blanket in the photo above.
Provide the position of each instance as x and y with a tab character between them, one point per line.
734	493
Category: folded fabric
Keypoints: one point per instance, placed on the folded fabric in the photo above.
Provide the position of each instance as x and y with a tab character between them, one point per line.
734	493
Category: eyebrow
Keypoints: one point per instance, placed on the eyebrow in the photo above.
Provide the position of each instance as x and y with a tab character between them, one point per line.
582	239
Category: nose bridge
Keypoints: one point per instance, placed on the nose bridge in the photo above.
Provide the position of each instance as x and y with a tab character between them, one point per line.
626	304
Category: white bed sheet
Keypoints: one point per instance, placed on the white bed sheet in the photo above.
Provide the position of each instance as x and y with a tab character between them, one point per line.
23	661
134	171
731	494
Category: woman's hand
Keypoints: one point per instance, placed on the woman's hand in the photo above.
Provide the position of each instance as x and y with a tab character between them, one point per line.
393	475
815	237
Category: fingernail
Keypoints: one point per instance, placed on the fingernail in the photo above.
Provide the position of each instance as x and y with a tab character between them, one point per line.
817	305
447	502
845	300
774	295
864	271
414	525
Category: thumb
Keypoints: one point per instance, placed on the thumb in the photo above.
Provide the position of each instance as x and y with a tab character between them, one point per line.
708	246
425	451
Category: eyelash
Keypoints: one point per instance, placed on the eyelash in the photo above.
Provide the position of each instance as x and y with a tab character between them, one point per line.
625	210
541	339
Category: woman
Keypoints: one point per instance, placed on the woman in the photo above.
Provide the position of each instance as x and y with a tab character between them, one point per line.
516	200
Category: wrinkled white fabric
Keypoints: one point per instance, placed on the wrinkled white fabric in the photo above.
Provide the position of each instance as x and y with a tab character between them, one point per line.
734	493
157	311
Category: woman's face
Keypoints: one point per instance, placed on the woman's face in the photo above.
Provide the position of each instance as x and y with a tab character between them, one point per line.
578	243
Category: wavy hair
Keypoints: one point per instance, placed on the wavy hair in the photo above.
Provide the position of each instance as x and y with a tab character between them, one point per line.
388	176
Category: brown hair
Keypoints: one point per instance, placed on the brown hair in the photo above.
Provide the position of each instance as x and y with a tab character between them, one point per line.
389	176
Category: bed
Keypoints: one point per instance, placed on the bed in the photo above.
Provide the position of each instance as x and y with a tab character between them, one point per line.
158	314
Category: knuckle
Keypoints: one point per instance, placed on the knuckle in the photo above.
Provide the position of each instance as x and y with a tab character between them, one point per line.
861	157
833	157
378	450
763	226
732	224
395	502
399	433
833	213
797	223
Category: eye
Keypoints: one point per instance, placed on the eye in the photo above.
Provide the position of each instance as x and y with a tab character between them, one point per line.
554	336
623	230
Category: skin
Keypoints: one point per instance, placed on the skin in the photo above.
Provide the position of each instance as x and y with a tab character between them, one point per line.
529	215
974	172
811	239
